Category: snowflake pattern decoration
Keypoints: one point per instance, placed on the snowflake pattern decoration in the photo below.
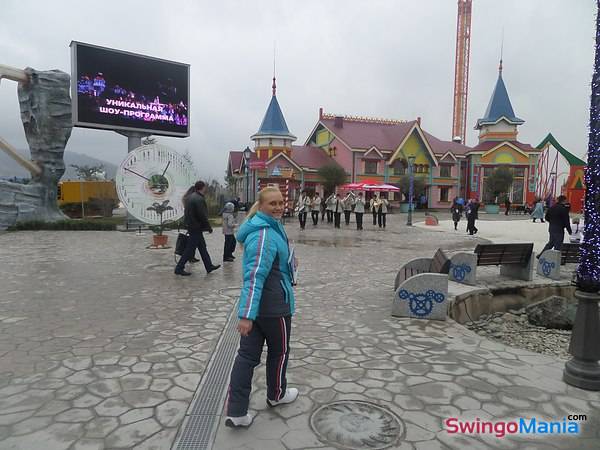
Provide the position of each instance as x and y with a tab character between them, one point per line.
421	304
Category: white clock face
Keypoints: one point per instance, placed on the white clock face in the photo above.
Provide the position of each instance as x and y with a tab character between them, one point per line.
154	173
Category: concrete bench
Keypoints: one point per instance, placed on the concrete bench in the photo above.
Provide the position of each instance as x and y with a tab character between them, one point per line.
515	261
438	264
421	288
550	261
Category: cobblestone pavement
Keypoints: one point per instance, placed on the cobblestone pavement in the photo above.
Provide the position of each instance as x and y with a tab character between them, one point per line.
101	346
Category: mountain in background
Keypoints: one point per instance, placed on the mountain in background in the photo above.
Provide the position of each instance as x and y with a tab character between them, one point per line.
10	168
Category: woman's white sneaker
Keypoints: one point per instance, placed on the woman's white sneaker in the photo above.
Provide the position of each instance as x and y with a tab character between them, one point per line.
239	422
291	394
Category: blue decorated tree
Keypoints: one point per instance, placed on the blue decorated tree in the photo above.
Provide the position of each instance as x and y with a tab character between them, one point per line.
583	369
588	272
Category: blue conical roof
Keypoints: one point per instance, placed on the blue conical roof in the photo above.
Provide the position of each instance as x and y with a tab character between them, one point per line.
273	124
499	107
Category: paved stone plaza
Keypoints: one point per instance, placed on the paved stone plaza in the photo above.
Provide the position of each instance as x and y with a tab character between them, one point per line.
101	346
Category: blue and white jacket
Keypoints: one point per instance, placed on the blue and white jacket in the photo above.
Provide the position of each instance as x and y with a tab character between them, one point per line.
267	290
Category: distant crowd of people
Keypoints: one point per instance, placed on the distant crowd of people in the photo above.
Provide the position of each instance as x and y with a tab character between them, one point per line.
334	206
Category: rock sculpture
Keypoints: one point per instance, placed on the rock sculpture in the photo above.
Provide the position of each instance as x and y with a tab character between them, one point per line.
45	106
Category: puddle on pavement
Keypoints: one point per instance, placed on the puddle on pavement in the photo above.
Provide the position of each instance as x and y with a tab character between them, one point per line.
337	242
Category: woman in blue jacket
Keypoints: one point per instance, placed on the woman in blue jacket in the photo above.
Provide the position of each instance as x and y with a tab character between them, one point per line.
265	309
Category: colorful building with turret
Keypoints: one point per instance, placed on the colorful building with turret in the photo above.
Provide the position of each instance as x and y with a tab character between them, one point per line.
379	151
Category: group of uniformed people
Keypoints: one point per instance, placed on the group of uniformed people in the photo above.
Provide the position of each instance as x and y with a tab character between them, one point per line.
334	205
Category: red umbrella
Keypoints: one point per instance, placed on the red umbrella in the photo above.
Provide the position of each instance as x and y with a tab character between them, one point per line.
381	188
352	187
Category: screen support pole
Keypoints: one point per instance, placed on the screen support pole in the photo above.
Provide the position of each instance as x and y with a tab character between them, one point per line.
134	140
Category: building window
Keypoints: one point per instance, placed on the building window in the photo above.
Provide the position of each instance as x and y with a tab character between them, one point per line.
519	172
445	171
399	167
370	166
444	191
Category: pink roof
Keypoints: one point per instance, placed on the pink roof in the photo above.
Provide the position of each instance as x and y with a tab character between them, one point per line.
310	157
366	133
440	147
488	145
385	135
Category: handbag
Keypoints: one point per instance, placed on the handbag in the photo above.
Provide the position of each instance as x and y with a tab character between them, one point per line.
181	244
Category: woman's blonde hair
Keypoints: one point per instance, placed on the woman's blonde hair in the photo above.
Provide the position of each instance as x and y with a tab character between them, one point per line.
261	198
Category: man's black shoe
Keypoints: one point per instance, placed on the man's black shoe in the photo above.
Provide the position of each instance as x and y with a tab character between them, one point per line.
193	260
213	268
183	273
228	259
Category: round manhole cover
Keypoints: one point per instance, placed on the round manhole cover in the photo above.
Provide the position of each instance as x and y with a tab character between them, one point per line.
356	425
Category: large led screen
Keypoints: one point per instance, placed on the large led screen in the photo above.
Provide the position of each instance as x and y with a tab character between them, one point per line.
117	90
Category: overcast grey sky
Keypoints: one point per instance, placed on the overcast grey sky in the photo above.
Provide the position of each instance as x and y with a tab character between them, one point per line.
381	58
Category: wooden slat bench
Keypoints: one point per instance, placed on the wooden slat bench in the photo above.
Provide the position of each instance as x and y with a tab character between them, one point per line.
569	253
515	261
502	254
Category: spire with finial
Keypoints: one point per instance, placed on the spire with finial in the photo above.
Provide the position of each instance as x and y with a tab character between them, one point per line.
274	85
501	52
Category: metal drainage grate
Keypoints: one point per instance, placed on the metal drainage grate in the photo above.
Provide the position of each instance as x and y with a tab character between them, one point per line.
199	428
356	425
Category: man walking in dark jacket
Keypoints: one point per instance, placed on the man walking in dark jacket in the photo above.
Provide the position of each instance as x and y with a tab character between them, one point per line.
195	218
558	220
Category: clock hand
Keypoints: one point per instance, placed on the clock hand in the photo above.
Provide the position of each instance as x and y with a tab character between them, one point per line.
164	171
135	173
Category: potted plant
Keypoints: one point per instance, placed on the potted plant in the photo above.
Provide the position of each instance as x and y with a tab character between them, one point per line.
500	180
159	239
418	188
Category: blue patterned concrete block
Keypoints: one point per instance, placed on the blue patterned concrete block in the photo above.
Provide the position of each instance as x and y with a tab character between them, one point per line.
423	296
463	268
549	264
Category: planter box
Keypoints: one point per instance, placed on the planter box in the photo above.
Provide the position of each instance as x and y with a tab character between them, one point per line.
492	209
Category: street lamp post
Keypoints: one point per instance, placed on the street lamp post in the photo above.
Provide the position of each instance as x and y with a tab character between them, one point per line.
247	155
411	181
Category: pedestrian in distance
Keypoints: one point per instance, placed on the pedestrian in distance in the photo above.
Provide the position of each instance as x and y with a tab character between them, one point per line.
329	207
558	221
538	211
374	206
337	208
359	210
195	217
507	205
472	210
265	311
229	226
302	207
315	207
348	202
382	211
323	209
456	209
